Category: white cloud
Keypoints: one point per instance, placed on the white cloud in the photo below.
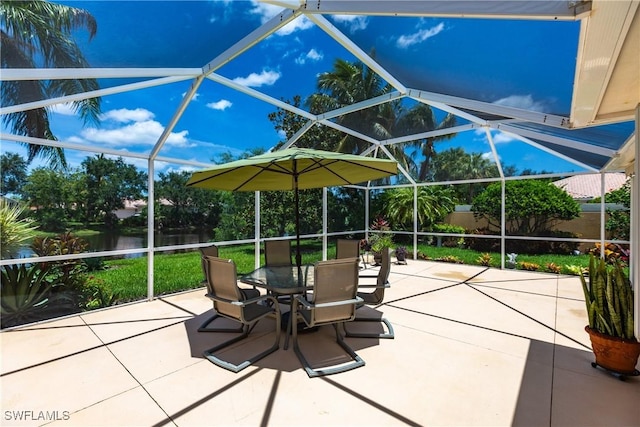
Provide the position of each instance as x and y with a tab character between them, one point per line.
221	105
265	11
354	22
497	136
405	41
65	109
125	115
267	78
301	23
312	55
140	129
193	98
524	102
268	11
501	138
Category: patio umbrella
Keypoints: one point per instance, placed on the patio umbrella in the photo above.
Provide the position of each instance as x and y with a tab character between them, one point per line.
293	169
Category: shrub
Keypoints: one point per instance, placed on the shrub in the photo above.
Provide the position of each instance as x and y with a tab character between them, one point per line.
453	229
553	268
480	244
530	266
484	259
576	270
531	206
25	294
612	252
14	230
450	258
67	272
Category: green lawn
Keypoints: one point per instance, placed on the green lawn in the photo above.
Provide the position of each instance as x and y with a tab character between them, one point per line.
182	271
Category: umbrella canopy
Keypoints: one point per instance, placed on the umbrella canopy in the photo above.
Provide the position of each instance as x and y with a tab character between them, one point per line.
293	169
281	170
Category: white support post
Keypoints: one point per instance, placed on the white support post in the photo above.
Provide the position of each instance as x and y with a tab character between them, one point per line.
325	222
256	235
150	229
415	222
603	236
634	258
503	223
367	207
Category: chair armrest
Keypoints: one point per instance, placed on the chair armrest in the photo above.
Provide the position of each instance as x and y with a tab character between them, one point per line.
245	302
309	306
374	286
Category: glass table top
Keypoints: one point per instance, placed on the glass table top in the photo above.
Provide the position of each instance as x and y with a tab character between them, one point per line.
282	279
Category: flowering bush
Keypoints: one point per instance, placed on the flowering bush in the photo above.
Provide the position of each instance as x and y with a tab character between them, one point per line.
612	252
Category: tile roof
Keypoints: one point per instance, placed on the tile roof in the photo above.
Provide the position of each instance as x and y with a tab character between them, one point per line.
588	186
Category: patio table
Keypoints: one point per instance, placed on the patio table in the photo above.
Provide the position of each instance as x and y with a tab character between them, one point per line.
282	280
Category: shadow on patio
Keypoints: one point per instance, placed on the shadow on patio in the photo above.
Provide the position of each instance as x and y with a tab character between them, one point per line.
473	346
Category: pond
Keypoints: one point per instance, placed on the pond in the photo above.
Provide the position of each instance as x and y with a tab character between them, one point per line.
114	241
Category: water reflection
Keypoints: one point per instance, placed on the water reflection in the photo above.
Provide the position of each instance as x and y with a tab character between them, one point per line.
114	242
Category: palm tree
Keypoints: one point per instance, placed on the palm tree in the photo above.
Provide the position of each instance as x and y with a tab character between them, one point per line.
347	84
421	118
456	164
434	203
352	82
34	34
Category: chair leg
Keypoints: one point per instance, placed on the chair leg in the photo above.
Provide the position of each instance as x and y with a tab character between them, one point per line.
208	354
389	334
312	373
204	328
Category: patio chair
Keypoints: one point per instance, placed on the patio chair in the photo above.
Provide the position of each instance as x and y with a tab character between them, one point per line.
347	248
375	298
334	302
213	251
237	304
207	251
277	253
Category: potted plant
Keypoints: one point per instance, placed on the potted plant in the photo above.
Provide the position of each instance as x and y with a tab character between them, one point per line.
401	254
609	300
381	239
380	242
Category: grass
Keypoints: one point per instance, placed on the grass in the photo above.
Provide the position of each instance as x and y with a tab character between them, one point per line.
468	256
177	272
183	271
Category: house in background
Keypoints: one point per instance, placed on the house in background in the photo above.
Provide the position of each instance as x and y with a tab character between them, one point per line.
131	208
134	207
584	188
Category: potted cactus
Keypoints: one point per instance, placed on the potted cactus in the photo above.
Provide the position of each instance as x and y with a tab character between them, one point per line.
609	300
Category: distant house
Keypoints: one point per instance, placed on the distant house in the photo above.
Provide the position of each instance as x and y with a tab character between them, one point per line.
134	207
584	188
131	208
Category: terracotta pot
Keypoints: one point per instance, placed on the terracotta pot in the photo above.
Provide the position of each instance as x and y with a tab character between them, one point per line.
615	354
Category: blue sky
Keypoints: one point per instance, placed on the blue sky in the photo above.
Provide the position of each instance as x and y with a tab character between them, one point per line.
526	64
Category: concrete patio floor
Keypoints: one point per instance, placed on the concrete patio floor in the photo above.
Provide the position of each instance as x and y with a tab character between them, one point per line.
473	347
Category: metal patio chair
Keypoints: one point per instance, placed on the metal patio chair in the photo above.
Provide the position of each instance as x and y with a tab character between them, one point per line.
231	302
277	253
347	248
375	298
333	303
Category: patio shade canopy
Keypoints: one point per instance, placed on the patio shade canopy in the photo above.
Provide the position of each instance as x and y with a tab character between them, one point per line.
508	67
293	168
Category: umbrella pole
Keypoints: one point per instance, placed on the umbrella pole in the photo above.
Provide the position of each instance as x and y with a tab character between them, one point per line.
297	207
